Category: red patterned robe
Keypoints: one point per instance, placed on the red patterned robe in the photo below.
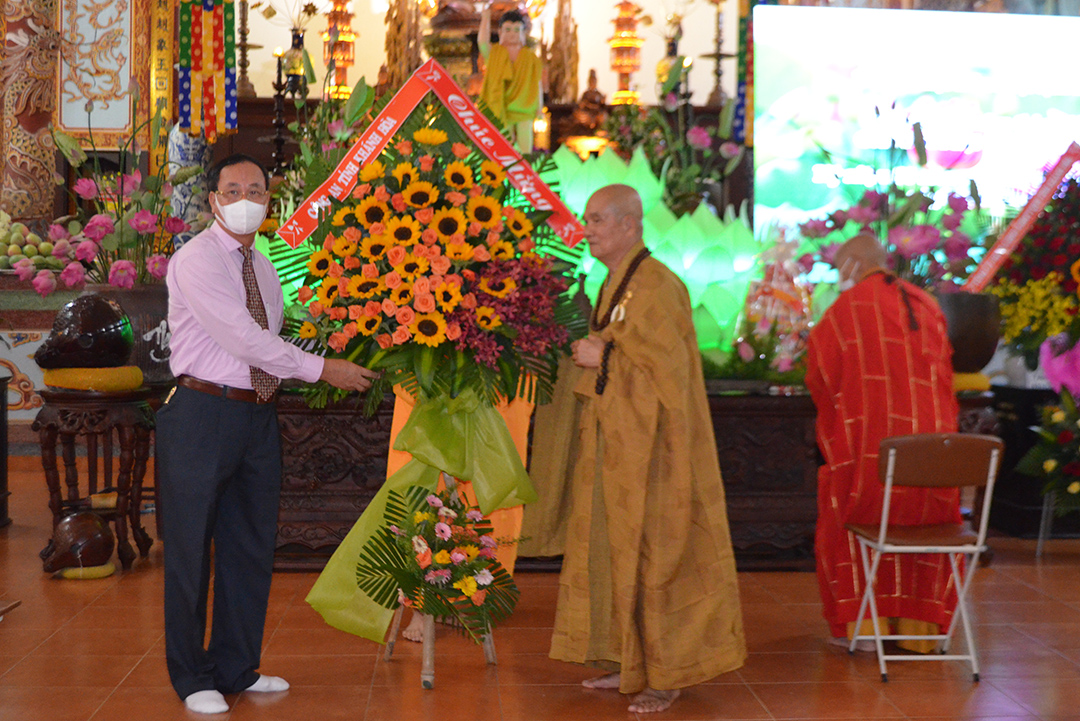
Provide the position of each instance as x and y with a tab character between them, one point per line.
872	375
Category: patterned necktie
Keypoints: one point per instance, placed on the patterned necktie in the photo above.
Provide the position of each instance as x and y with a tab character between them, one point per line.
264	384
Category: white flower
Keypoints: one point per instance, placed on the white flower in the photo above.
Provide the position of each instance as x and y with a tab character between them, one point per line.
484	577
419	545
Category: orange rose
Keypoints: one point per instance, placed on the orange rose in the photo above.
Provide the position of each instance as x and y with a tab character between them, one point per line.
396	256
377	229
338	313
350	330
382	194
360	192
389	308
481	254
328	244
404	147
476	191
420	251
453	331
424	559
405	315
373	308
474	229
468	301
424	303
440	265
384	340
424	215
338	341
343	288
336	271
401	335
355	312
316	309
421	286
468	275
427	162
457	238
393	280
526	245
434	251
305	294
460	150
478	597
493	237
398	202
351	262
370	271
429	236
498	227
352	234
456	198
436	280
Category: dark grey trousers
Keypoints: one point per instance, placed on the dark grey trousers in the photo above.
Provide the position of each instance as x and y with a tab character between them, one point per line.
220	476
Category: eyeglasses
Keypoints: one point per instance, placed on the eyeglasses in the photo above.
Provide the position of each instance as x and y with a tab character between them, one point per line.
232	196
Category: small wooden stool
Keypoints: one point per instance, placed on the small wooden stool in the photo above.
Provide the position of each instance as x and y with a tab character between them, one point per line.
427	664
68	414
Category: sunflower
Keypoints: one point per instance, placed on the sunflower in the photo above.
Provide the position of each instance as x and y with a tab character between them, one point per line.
369	324
484	210
370	211
402	294
448	222
518	224
429	136
458	175
412	266
374	247
502	250
319	263
1074	270
405	174
492	174
361	287
498	288
308	329
327	292
420	194
343	247
429	328
459	251
487	318
403	230
448	296
339	217
372	171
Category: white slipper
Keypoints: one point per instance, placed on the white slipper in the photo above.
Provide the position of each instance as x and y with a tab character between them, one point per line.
210	701
865	646
268	684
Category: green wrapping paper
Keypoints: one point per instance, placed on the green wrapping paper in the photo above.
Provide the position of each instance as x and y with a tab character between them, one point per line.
459	436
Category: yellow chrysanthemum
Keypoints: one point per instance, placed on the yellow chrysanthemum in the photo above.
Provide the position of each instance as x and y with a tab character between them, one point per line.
403	230
421	516
405	173
492	174
429	136
483	210
402	294
467	586
340	215
361	287
447	296
448	222
369	324
1049	465
459	251
470	551
429	329
502	250
372	171
1057	416
498	288
442	557
319	263
1073	487
420	194
327	292
487	318
518	224
308	330
412	266
458	175
370	211
374	247
343	247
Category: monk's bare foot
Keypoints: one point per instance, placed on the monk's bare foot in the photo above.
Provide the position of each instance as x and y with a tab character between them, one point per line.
415	630
608	680
652	701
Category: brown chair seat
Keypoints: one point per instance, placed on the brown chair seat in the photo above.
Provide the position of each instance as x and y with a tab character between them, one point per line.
945	534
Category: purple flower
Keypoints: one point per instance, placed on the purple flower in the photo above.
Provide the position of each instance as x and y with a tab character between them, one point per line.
839	218
86	251
474	515
828	252
44	282
58	232
143	222
175	225
911	241
805	262
671	102
442	531
874	199
488	542
698	137
1062	368
122	274
957	203
157	266
815	229
25	269
952	221
956	246
73	274
98	227
434	501
863	214
729	150
85	188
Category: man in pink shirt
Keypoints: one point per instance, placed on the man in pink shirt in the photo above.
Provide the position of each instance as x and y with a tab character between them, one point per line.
218	444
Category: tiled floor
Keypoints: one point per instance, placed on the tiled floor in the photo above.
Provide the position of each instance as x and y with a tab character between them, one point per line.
78	650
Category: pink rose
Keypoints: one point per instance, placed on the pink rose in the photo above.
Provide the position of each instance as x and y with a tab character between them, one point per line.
729	150
377	229
143	222
360	192
85	188
401	335
453	331
468	301
157	265
356	312
698	137
424	303
73	274
44	282
405	315
429	236
175	225
98	227
404	147
474	230
122	274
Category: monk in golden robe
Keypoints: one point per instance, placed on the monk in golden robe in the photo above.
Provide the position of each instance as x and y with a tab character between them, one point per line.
648	589
879	364
513	77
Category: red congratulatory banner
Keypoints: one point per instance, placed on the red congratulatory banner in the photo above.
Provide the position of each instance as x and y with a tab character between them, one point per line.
431	77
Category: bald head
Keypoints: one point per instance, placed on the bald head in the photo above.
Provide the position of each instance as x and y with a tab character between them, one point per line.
860	255
613	223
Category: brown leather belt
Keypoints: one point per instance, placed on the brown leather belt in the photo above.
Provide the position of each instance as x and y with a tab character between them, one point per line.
233	394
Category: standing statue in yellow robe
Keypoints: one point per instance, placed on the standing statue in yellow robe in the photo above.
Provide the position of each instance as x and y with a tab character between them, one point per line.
648	589
513	76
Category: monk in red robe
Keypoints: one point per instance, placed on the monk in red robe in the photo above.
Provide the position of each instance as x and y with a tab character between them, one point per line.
879	364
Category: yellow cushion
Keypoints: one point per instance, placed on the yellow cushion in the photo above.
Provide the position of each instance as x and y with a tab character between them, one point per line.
86	573
970	382
123	378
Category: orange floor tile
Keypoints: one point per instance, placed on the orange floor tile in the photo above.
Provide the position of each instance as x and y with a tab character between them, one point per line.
93	650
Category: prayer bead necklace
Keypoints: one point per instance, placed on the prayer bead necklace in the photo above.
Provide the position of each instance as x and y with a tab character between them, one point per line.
596	325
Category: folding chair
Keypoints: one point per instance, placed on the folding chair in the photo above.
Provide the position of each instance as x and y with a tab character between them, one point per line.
930	460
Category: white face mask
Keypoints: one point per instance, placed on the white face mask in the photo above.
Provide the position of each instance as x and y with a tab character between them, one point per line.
849	282
242	217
